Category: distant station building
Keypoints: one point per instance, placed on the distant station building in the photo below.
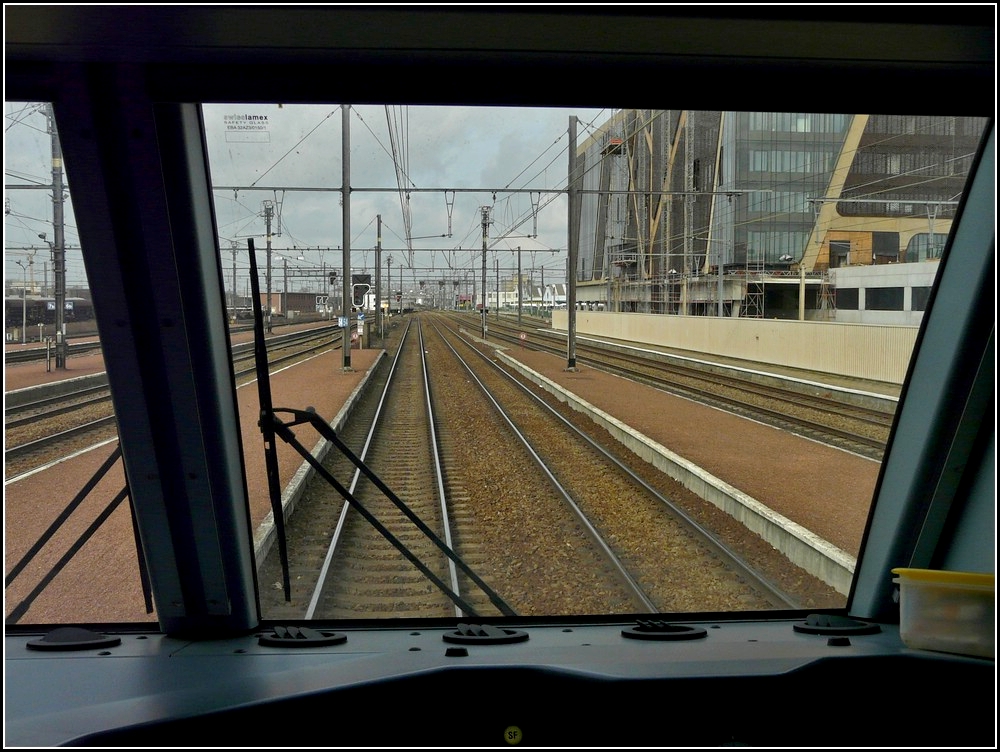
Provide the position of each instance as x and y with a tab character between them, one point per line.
769	215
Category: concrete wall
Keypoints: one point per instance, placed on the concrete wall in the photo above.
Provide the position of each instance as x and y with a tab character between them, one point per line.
877	353
905	276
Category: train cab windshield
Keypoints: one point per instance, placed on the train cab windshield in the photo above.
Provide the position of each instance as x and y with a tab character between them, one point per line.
809	243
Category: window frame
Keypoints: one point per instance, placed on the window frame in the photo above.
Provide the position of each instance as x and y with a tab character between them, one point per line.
125	113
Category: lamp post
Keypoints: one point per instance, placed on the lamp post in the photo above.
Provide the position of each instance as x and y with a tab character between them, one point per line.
58	254
486	221
59	246
24	300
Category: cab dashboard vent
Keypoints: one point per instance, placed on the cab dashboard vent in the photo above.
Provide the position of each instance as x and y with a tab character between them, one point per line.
301	637
484	634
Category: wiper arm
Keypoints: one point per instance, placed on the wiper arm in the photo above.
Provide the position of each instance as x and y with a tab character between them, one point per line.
309	416
271	426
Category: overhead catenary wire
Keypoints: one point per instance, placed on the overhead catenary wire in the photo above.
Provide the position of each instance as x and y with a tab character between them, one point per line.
397	141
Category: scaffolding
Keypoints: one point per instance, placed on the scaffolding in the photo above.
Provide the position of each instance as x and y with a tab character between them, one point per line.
665	293
753	297
827	299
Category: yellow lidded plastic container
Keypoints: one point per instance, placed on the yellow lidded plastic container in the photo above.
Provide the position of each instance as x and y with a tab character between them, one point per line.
951	612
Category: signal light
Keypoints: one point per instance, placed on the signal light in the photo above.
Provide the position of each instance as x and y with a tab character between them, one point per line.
359	292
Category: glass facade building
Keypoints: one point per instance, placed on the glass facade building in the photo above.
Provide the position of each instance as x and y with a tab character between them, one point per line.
694	211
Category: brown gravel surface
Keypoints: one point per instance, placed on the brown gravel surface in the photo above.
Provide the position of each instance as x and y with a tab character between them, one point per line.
826	490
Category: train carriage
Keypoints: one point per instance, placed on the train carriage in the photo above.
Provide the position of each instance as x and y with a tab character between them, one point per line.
40	310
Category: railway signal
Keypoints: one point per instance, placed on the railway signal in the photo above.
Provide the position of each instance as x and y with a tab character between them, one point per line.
359	291
361	284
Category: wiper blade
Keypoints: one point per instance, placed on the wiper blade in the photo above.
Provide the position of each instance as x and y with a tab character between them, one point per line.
271	426
266	423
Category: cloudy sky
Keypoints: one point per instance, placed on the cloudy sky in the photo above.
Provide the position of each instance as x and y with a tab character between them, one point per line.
453	161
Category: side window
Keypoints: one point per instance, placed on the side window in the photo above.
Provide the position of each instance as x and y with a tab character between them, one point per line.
71	552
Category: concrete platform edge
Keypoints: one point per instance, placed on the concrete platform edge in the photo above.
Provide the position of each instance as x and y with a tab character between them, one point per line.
18	397
265	536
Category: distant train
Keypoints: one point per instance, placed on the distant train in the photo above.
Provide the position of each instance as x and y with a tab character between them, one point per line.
40	310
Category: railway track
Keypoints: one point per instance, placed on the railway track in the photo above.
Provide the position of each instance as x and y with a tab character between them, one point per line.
363	575
38	431
364	572
41	352
562	530
824	417
91	344
596	456
493	497
51	407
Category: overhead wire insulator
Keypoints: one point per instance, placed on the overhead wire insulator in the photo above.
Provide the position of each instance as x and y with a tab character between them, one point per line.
449	207
534	212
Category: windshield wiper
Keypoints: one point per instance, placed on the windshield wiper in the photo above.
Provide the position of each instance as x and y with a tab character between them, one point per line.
271	426
266	425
